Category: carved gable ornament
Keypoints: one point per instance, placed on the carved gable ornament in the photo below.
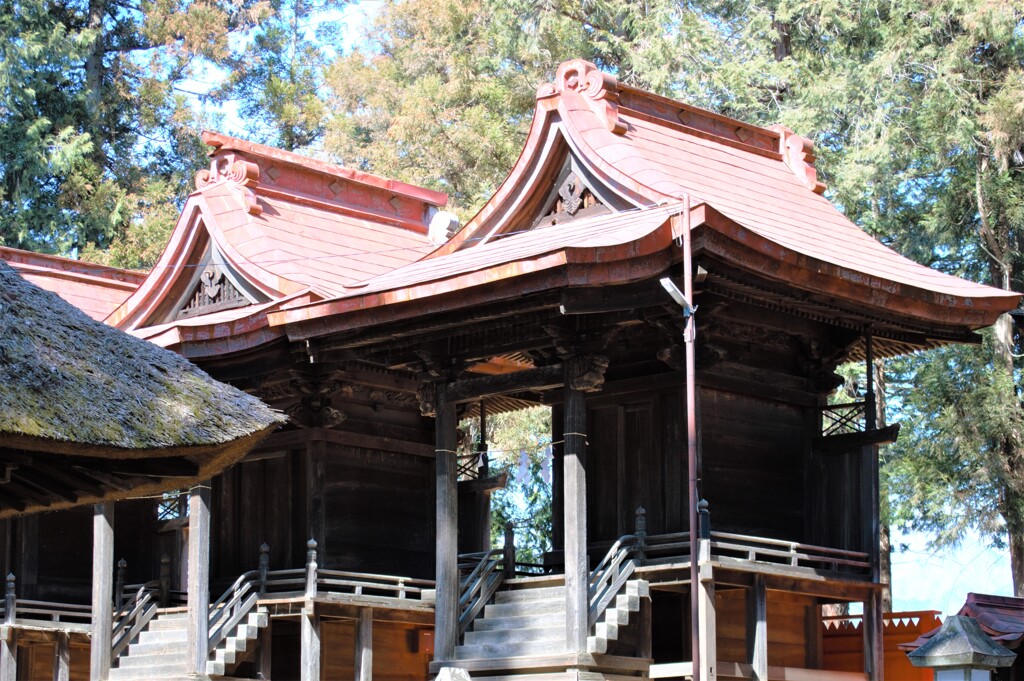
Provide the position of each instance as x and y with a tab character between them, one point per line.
214	286
571	198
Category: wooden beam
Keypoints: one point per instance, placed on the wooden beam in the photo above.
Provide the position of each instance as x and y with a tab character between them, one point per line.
577	569
364	646
446	609
473	389
102	591
757	629
62	656
198	579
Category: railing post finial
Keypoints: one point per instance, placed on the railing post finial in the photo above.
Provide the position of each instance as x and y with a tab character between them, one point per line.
264	566
705	519
10	601
509	551
641	534
311	568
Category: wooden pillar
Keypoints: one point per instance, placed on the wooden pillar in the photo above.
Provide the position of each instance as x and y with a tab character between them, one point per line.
62	657
874	651
264	659
316	510
9	654
102	591
577	570
198	579
310	643
757	629
446	609
707	628
364	645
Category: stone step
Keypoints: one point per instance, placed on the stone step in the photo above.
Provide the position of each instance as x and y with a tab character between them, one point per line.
529	594
506	650
157	660
555	633
145	674
542	607
157	648
163	636
163	622
551	619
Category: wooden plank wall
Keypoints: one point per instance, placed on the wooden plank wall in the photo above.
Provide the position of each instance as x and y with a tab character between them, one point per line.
843	645
791	618
752	461
397	654
35	662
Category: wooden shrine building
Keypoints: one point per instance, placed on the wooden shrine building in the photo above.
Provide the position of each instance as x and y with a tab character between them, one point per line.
671	282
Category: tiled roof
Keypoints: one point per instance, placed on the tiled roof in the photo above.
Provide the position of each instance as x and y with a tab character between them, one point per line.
94	289
1001	617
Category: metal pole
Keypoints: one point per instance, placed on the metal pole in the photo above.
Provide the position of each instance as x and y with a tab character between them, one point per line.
691	437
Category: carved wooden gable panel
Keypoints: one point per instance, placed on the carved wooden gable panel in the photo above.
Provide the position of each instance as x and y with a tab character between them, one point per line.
213	292
571	198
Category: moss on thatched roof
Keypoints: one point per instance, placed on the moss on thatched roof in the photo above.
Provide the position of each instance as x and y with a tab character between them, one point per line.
69	379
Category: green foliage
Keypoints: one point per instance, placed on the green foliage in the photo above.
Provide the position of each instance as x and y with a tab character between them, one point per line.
519	444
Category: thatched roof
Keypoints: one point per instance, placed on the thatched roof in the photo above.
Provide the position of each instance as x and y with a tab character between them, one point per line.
75	387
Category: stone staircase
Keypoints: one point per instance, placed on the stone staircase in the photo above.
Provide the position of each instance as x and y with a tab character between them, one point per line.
159	650
526	620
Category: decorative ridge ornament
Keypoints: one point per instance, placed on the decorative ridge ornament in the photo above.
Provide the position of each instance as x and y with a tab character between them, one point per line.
237	171
798	153
599	90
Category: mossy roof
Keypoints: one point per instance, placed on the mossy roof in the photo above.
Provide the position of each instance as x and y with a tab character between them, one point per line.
68	379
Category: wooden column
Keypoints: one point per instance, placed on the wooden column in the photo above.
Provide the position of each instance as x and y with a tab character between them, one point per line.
198	579
62	657
316	510
364	645
102	591
707	628
9	655
446	609
757	629
9	637
577	570
874	650
264	659
310	643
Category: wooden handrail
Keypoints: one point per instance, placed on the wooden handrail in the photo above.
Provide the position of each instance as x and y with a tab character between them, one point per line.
609	576
130	619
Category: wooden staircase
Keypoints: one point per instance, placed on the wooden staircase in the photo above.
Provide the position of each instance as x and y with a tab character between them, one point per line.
520	635
159	651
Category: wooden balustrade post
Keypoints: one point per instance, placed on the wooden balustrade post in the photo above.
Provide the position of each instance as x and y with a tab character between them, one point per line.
264	567
311	569
10	600
707	626
705	519
310	621
9	642
164	596
119	584
509	552
198	579
641	535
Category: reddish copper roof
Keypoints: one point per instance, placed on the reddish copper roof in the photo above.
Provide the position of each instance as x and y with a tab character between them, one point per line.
1001	617
295	229
95	289
755	188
